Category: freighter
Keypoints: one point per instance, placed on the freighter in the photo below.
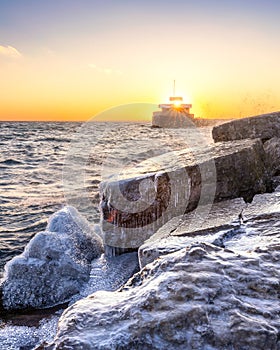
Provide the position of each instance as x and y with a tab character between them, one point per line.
175	114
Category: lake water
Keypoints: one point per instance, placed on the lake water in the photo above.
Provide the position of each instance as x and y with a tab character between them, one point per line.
38	159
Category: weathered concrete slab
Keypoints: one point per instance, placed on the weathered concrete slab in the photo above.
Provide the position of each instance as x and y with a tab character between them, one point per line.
264	126
231	224
219	215
146	197
191	228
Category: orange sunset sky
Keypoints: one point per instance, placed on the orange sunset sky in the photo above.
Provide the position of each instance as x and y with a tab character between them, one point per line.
69	60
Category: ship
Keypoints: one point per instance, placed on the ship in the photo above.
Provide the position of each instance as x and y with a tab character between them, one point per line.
175	114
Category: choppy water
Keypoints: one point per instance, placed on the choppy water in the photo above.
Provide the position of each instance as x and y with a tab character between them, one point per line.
31	167
31	159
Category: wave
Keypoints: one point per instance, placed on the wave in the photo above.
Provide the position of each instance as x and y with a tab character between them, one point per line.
11	162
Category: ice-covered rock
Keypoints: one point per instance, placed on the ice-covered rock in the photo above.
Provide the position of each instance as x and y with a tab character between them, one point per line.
265	126
223	219
202	296
272	150
227	224
109	274
54	265
146	197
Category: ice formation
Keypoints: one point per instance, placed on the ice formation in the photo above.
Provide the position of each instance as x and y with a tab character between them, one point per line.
54	265
109	273
28	338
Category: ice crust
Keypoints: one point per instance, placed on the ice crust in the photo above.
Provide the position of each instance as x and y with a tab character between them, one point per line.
54	265
21	337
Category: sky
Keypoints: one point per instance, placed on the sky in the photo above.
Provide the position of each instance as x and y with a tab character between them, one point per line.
71	60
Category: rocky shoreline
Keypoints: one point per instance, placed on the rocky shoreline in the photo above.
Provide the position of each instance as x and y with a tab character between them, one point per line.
211	291
208	246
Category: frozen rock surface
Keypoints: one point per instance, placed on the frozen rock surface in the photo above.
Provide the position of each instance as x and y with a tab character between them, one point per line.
207	219
147	196
191	228
207	296
272	150
265	126
225	222
109	273
54	265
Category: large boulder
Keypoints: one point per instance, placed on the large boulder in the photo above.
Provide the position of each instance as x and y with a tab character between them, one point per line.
272	150
264	126
202	296
54	265
146	197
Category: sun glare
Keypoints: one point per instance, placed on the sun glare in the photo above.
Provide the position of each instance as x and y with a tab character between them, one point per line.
177	104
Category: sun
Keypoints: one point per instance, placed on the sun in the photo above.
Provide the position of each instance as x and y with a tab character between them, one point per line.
177	104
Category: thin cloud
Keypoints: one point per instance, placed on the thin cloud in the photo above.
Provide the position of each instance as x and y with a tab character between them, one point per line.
108	71
9	51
